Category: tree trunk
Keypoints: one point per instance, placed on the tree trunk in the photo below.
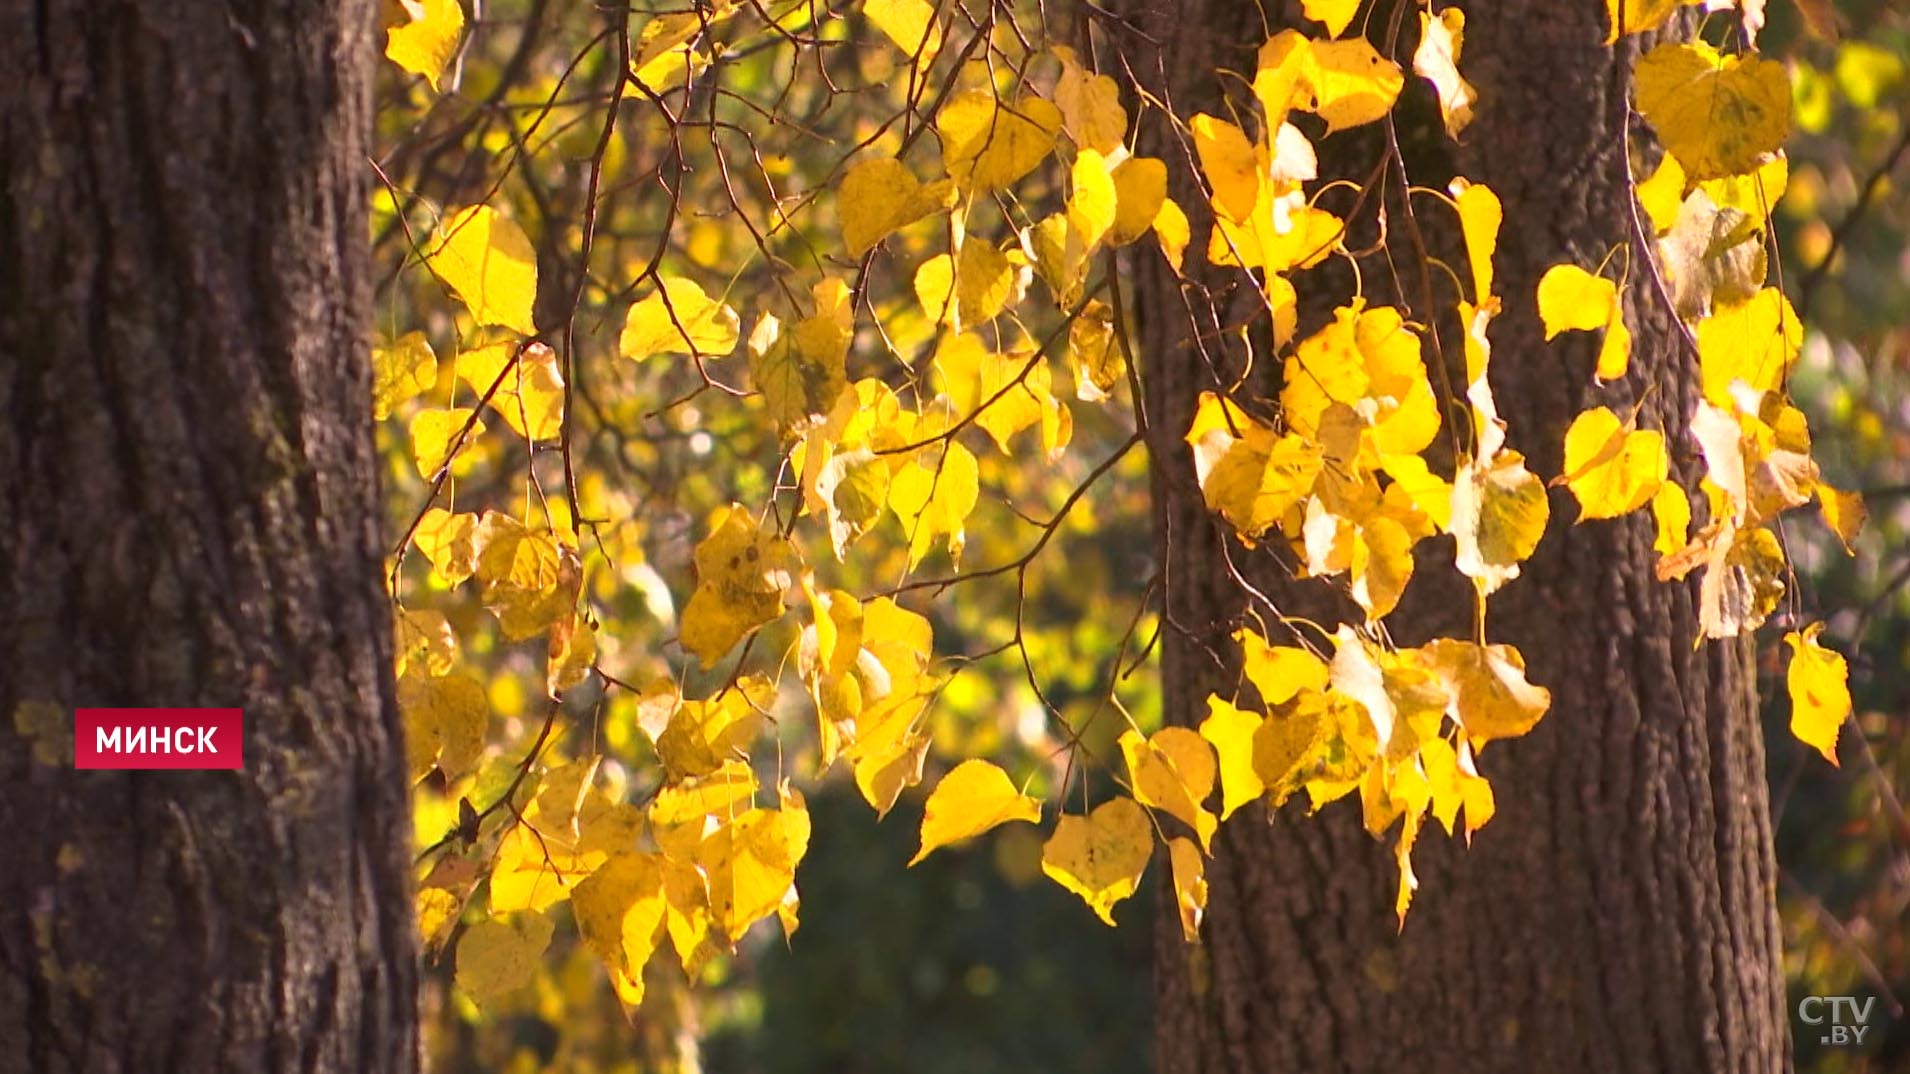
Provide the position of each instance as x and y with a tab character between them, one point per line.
188	517
1619	913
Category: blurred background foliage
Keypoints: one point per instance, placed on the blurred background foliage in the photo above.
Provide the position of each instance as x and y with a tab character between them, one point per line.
967	962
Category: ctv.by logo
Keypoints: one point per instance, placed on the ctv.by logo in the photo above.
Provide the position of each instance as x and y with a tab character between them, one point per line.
1842	1020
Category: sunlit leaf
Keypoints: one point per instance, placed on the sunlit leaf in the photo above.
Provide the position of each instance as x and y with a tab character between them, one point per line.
972	798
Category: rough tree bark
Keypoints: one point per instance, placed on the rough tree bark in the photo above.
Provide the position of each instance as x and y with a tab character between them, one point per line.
188	517
1619	913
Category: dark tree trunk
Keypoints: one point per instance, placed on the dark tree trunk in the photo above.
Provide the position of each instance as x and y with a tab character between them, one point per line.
1619	913
188	517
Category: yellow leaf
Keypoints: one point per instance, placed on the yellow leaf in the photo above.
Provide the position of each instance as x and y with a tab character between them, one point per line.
1336	14
1352	83
1755	342
1190	885
1173	771
981	284
1491	698
880	194
569	656
1426	490
1231	732
423	636
1140	190
678	318
1228	160
496	958
1246	473
987	145
1663	194
1006	392
1844	513
1612	469
1671	511
934	498
1614	352
1571	299
703	736
619	911
1095	353
491	265
402	369
448	541
1092	206
1090	105
1480	215
1499	511
751	863
910	24
1382	565
1820	691
972	798
1279	672
529	580
1171	229
1437	60
537	869
531	396
445	720
1101	856
1719	115
425	44
801	373
1637	16
742	571
435	432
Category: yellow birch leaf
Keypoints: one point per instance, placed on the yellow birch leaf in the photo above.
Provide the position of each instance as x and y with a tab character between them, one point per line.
1844	513
1571	299
679	318
448	541
1095	353
987	145
537	869
1612	469
402	369
1336	14
426	44
1755	342
529	580
445	721
490	263
1006	392
910	24
1092	207
1382	565
1719	115
433	434
619	911
1140	194
702	736
531	396
1491	698
422	637
496	958
570	654
1427	491
1637	16
1101	856
1820	691
751	864
1231	731
800	373
1437	60
1663	194
1232	168
1278	672
742	571
1499	511
1090	105
967	291
972	798
1671	512
934	498
1190	885
1172	231
1614	352
1173	771
1352	83
879	195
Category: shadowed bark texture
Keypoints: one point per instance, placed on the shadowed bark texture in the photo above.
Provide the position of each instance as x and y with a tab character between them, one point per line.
188	517
1619	913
